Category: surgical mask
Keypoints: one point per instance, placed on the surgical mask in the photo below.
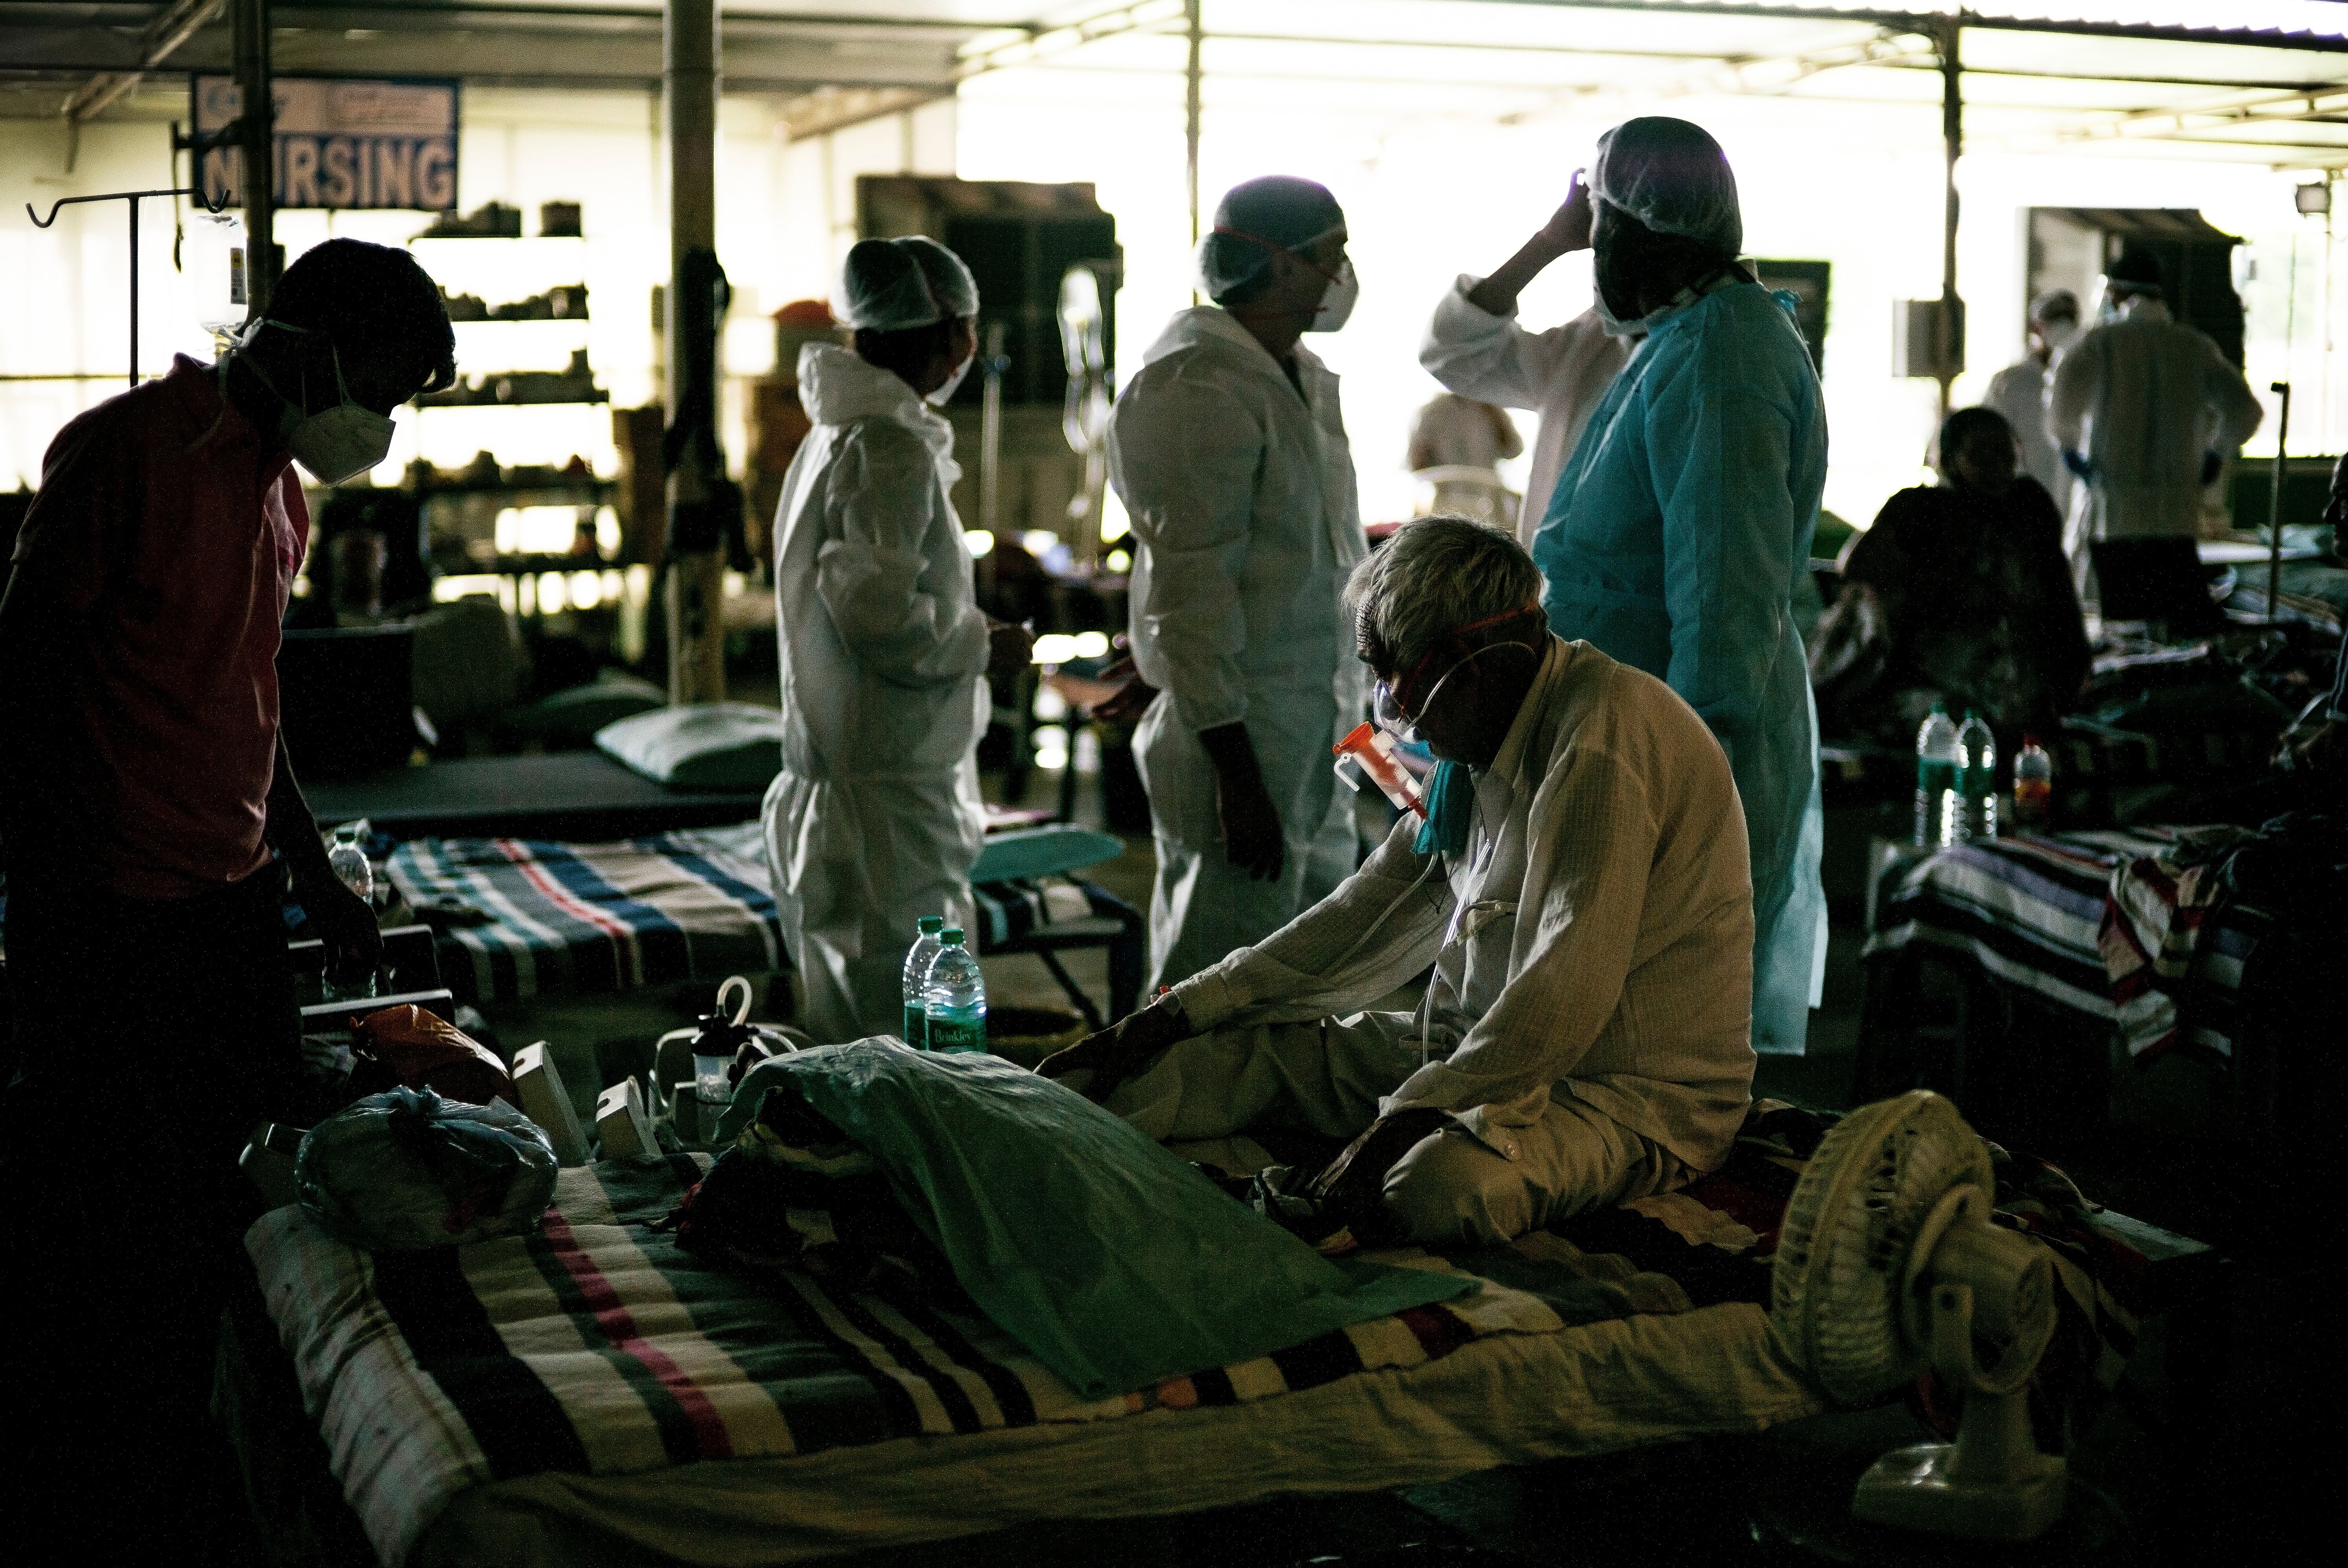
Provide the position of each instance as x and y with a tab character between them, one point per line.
943	393
1336	306
337	444
2059	336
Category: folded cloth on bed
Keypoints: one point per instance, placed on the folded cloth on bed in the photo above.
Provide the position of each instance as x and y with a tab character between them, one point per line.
1114	1262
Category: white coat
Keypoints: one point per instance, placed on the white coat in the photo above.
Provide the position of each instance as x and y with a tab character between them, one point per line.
2018	393
874	820
2144	397
1246	524
1561	374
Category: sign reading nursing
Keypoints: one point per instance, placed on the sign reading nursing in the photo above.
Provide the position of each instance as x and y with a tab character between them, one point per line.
343	142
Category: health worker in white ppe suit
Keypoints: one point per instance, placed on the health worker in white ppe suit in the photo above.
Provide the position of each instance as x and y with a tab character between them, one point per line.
1230	454
2145	409
1476	349
2019	391
1680	527
874	820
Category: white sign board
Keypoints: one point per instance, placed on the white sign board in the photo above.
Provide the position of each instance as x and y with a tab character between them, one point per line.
343	142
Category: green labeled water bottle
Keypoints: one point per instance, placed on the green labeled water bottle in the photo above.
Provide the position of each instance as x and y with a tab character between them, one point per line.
955	997
918	958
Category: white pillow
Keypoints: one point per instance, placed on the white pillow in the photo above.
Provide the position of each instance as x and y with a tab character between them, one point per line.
708	745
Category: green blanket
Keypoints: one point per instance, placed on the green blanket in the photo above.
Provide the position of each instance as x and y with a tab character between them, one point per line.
1113	1262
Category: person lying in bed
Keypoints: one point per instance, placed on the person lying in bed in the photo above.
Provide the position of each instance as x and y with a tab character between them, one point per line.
1581	886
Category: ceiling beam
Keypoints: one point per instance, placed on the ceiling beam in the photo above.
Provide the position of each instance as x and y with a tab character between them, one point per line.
172	27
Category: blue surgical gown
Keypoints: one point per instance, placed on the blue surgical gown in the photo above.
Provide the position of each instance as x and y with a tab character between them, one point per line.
1674	541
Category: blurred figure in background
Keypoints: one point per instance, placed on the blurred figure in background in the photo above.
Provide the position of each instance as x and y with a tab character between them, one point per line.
2145	409
1679	529
874	820
1475	348
2018	392
1229	451
1458	433
1960	592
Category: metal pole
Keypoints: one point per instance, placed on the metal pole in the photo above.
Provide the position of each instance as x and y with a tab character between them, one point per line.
697	490
134	289
2274	509
1194	21
1953	138
256	136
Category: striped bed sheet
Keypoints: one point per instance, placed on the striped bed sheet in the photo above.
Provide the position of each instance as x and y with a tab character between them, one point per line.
666	1408
694	904
2041	914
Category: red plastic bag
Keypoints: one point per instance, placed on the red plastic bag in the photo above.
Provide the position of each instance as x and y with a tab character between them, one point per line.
424	1051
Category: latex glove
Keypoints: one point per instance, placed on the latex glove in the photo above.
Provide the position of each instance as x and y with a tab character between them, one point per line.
1132	697
2078	465
1008	648
345	923
1251	833
1568	229
1117	1053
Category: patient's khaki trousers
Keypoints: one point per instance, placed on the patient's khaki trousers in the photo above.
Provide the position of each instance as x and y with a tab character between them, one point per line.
1328	1076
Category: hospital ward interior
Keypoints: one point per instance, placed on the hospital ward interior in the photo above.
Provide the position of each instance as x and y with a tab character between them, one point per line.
1200	783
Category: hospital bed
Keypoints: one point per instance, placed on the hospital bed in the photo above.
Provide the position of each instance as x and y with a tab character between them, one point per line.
593	1393
552	917
2052	985
583	796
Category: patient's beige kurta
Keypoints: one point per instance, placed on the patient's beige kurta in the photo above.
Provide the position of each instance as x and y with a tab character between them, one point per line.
1588	1020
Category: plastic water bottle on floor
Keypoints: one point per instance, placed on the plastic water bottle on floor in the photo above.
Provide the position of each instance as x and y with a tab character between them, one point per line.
956	997
1980	776
2034	787
1939	781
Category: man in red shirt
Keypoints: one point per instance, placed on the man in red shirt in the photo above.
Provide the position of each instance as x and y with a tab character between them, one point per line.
151	828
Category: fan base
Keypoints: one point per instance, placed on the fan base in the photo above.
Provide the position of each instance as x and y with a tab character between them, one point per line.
1919	1489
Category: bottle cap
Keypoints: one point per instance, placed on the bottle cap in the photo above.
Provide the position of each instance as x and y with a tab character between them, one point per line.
1939	706
2028	739
931	924
953	937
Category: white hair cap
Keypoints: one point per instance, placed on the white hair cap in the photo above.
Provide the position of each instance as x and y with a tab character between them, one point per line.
894	285
1670	176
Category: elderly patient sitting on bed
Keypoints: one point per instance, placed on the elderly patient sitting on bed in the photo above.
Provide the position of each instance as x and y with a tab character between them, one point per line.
1579	885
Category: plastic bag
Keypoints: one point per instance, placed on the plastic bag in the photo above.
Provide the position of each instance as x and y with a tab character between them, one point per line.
408	1170
424	1051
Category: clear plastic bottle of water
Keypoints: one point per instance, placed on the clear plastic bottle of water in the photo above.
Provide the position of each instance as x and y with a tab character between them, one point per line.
917	978
1980	776
2034	787
1939	781
956	997
349	864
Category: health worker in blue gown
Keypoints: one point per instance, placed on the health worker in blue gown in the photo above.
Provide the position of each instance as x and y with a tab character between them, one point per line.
1682	523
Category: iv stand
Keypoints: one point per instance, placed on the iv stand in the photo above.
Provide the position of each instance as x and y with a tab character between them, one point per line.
2274	510
134	198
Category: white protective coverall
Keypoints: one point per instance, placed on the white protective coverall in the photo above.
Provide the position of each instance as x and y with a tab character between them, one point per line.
1241	496
1586	1023
2018	395
875	819
2144	397
1560	375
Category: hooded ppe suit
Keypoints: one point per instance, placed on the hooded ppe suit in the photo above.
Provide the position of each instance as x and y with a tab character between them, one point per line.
874	820
2143	398
1241	496
1673	543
